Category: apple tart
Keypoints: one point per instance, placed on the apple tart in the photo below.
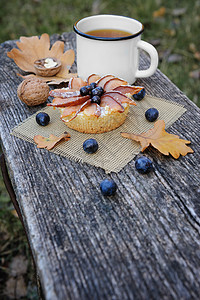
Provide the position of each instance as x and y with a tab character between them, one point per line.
97	105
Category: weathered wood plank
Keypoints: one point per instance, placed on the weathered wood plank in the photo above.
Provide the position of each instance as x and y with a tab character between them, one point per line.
141	244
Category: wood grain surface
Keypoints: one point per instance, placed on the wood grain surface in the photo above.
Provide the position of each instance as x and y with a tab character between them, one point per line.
142	243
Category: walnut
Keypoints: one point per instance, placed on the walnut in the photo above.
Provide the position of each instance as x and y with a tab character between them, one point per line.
47	66
33	91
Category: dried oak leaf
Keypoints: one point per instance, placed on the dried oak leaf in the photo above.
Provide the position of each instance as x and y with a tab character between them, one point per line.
50	142
160	12
164	142
34	48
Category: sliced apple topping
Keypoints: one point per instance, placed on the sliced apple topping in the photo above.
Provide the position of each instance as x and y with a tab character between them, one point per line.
93	78
93	110
76	83
121	98
113	83
64	102
64	93
128	89
93	96
67	111
101	82
83	106
107	100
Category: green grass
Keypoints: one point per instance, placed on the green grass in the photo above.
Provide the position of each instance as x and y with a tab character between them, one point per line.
13	242
177	35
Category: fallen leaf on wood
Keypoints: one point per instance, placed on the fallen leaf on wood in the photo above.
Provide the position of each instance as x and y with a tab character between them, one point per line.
35	48
160	12
50	142
164	142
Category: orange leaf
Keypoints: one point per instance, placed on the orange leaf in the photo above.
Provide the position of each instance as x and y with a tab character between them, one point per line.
67	60
160	12
33	48
164	142
50	142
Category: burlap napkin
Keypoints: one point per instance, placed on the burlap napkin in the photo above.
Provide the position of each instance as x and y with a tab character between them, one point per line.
114	151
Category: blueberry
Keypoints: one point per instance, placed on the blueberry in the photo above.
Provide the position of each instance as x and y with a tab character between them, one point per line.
140	95
108	187
143	165
90	146
96	99
151	114
84	91
42	118
98	91
89	88
93	85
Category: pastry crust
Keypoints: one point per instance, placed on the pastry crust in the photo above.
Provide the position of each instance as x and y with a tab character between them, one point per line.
92	124
103	109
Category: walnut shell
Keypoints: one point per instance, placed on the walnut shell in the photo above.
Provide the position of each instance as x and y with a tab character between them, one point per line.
41	70
33	91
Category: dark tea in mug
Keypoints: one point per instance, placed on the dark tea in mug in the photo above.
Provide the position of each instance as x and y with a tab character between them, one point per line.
109	33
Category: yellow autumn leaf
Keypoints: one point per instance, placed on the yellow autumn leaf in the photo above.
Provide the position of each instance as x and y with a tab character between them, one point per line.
160	12
50	142
34	48
164	142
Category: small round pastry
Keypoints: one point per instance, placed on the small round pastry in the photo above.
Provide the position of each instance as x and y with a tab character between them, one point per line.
94	106
107	120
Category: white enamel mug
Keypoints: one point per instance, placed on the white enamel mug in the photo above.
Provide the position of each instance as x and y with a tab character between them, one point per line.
116	56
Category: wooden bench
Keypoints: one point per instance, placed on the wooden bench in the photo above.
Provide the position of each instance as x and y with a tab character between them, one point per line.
143	243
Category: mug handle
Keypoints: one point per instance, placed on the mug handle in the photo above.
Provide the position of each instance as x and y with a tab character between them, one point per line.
154	59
